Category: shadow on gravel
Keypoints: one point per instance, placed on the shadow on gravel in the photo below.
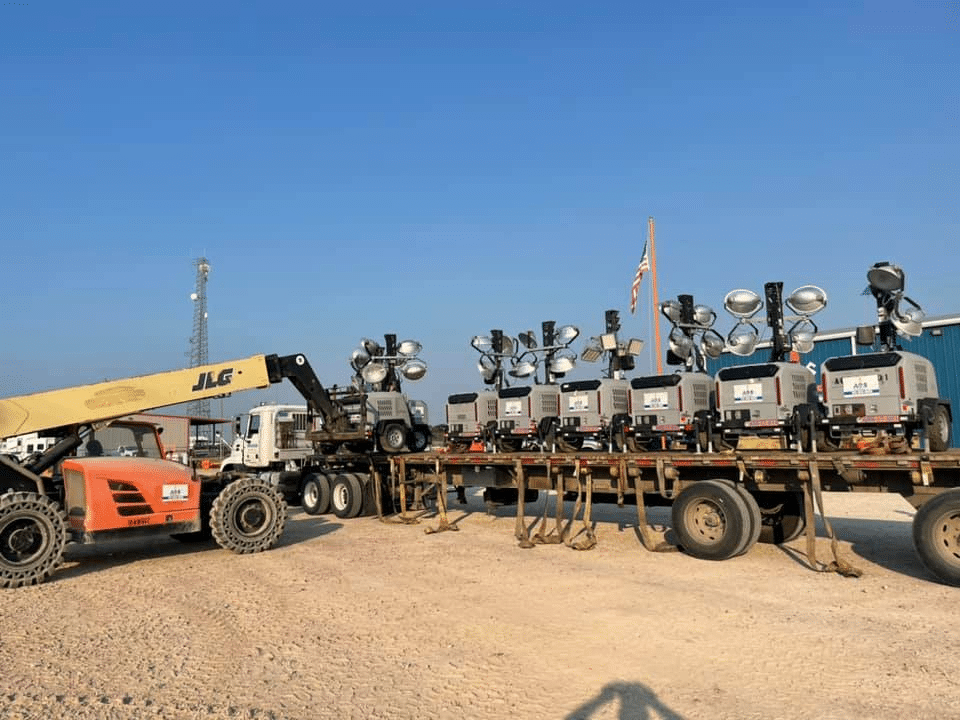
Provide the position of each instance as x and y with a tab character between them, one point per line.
82	559
637	702
885	543
302	527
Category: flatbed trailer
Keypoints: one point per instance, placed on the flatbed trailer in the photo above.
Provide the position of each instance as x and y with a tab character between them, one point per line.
722	502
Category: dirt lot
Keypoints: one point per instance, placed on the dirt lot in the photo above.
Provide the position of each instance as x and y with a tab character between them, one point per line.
355	619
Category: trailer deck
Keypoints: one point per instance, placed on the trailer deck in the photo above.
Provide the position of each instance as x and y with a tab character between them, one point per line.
722	502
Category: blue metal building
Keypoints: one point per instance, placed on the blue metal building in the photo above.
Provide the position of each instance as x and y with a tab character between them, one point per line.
939	343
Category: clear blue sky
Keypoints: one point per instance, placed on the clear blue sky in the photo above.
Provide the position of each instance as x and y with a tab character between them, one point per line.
438	169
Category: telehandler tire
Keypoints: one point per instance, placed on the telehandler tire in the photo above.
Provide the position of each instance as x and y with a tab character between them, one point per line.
33	533
248	516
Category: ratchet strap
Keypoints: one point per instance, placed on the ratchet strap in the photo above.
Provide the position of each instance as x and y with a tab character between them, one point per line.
839	565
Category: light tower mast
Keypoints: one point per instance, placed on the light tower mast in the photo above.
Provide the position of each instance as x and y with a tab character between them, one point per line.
198	341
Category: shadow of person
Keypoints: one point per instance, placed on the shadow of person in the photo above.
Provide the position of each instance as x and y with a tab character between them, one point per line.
637	702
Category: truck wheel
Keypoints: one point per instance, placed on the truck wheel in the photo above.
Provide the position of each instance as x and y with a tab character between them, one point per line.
711	520
315	494
248	516
393	438
33	533
346	496
939	430
782	515
936	536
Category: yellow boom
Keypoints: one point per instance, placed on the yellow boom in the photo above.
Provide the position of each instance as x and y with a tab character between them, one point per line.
102	401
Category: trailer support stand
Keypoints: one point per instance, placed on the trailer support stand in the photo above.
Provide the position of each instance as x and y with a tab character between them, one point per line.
403	495
441	485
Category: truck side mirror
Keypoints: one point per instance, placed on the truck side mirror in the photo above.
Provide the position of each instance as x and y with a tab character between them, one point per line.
866	335
236	426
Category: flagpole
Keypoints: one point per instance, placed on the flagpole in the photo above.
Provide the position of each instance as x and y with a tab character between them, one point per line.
656	299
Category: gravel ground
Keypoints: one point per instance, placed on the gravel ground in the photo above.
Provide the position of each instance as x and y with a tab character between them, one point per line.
360	619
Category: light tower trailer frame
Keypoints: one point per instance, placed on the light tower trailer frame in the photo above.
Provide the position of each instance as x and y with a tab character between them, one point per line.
721	503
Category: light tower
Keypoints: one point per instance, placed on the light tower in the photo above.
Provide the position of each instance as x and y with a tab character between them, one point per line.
198	341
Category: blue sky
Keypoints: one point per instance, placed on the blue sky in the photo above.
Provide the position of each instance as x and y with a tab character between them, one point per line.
439	169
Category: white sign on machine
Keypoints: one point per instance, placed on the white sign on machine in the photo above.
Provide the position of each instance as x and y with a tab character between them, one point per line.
861	386
513	408
748	392
655	401
175	493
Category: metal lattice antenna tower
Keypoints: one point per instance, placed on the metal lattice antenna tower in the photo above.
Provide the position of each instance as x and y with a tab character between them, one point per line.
198	341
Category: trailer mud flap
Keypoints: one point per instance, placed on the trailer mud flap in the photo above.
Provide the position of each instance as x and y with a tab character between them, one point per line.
839	565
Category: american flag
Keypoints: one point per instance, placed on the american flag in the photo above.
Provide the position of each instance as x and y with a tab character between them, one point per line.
635	288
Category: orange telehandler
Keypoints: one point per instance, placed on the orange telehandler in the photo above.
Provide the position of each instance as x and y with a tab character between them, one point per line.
81	489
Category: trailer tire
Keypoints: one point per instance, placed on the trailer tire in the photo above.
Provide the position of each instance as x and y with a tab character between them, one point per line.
346	496
711	520
315	494
939	430
753	514
33	533
782	515
248	516
936	536
393	438
756	519
419	438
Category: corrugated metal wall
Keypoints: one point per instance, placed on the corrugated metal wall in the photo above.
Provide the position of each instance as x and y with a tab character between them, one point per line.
940	343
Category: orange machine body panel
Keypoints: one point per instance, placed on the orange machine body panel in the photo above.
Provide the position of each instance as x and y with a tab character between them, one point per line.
112	493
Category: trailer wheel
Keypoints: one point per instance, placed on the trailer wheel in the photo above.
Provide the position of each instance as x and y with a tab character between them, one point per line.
346	496
33	533
936	535
393	438
753	515
248	516
939	430
419	438
315	494
711	520
782	515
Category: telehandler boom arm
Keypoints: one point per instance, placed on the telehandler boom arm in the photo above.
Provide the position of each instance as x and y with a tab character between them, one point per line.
87	404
